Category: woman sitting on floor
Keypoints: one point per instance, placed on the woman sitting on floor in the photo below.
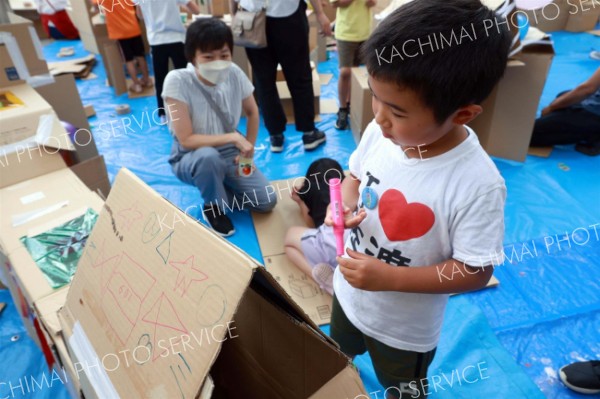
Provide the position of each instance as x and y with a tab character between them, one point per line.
204	103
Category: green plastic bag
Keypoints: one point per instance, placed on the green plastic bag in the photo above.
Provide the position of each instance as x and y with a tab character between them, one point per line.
57	251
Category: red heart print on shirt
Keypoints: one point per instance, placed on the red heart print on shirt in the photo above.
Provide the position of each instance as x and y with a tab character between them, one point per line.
401	220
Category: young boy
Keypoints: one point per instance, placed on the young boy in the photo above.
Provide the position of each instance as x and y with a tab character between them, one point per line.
429	201
122	25
352	28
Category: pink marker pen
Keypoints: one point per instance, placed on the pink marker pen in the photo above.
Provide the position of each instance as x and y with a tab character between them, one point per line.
337	208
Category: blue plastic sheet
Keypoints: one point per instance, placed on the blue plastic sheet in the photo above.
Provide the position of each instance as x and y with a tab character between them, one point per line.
544	314
22	364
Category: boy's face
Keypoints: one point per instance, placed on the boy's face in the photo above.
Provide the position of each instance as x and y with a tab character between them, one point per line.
403	117
222	54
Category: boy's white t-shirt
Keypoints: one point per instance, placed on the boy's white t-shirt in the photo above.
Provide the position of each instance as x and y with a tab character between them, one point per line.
163	21
428	210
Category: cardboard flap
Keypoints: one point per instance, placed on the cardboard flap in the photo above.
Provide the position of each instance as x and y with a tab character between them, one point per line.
47	309
346	384
154	280
27	119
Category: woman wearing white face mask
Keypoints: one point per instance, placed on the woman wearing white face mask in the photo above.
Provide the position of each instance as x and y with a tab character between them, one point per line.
204	103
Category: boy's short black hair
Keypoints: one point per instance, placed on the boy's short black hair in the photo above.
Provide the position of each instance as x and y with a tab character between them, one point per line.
315	190
207	34
451	53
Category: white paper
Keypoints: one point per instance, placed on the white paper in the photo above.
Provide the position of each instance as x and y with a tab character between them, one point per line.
28	199
86	355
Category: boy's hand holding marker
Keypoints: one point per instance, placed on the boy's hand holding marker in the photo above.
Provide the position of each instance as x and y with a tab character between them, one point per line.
360	270
350	221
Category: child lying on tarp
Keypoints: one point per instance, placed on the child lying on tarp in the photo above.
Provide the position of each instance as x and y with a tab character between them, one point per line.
312	249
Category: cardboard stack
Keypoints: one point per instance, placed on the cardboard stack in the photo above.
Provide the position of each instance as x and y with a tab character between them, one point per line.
37	193
19	35
570	15
45	179
161	303
504	128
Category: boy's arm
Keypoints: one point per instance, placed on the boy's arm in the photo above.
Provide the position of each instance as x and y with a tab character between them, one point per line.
452	276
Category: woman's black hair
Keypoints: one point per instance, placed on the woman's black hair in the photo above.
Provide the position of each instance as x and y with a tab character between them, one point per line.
207	34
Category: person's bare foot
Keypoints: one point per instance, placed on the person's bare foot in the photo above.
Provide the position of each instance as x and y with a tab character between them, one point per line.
136	88
147	83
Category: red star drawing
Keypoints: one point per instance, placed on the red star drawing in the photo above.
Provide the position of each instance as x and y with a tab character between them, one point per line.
188	273
130	216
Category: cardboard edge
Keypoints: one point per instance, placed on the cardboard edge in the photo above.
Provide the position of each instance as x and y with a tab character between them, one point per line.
281	295
346	383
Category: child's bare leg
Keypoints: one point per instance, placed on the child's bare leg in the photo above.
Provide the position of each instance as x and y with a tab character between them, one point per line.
293	249
344	86
132	70
144	67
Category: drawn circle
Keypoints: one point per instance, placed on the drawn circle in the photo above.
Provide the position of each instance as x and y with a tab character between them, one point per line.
207	315
151	228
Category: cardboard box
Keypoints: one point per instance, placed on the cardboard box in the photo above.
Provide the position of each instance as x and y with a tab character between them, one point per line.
27	9
153	278
271	229
26	121
30	208
37	191
361	112
218	8
286	97
583	16
9	75
571	15
31	135
29	43
47	311
505	126
79	12
64	98
92	173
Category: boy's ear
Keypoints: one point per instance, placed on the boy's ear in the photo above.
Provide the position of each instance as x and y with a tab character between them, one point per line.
466	114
